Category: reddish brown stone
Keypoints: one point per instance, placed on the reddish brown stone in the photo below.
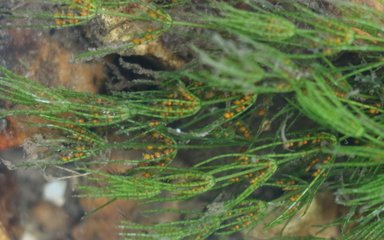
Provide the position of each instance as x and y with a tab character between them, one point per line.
10	135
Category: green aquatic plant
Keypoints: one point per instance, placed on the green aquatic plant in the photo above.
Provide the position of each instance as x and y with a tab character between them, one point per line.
286	97
150	21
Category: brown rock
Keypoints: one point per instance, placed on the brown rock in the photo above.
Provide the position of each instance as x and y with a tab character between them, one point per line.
11	135
114	31
9	224
159	51
102	224
322	210
52	220
52	67
47	61
3	234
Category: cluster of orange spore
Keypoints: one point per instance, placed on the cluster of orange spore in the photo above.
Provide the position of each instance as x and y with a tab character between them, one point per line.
78	152
340	94
150	34
238	106
159	154
77	10
318	160
257	176
179	104
294	198
154	123
244	160
243	130
242	103
305	141
228	115
84	141
73	156
243	217
156	15
340	35
251	177
205	92
288	184
375	110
